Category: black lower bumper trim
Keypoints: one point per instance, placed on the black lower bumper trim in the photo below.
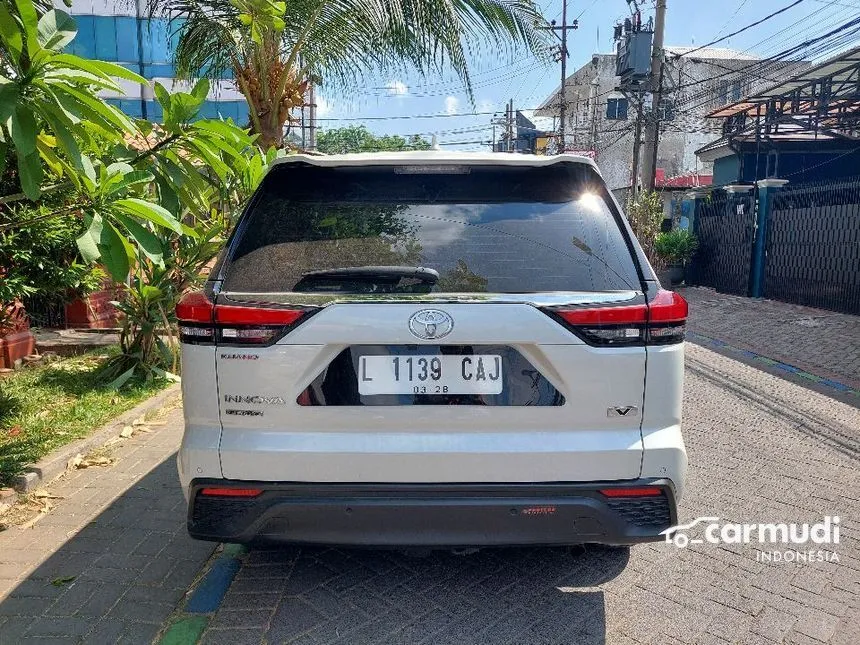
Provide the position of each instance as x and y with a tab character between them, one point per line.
431	514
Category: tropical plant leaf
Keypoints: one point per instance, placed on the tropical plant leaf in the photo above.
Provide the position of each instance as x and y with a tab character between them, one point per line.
22	127
114	254
219	167
56	29
10	34
30	174
150	292
224	129
122	379
201	89
64	136
9	95
167	194
149	244
46	145
99	68
161	95
30	21
108	113
88	241
129	179
149	211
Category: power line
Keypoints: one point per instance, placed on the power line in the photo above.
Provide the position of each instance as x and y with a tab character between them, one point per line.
443	115
781	55
448	90
733	16
742	29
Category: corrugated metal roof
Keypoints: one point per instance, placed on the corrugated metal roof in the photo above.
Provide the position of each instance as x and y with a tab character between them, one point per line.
842	64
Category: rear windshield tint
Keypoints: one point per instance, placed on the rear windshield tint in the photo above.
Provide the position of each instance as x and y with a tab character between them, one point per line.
469	229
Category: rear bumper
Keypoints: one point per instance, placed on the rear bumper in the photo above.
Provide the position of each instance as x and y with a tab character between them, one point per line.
431	514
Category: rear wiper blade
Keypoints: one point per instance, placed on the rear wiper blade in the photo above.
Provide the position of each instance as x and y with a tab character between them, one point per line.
424	274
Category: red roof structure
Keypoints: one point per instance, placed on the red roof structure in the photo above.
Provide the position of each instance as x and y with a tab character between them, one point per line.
690	180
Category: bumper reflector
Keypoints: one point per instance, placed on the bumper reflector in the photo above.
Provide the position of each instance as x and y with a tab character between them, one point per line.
231	492
644	491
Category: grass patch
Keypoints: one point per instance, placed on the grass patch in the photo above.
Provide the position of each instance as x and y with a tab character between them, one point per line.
52	404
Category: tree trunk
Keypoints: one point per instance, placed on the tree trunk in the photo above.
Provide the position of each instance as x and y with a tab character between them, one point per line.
270	90
270	137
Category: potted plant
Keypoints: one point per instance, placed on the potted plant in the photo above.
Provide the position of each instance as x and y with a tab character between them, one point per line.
675	249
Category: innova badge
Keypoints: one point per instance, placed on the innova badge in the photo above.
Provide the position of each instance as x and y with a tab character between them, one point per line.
430	324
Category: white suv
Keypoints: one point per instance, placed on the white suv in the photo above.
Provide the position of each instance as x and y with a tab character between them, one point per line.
432	349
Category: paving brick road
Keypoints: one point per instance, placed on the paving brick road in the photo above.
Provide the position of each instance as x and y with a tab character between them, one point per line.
761	449
112	560
822	342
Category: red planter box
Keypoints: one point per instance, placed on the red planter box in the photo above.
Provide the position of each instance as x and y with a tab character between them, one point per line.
16	346
93	312
17	341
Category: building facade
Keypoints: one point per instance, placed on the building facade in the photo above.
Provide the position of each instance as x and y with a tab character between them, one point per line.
602	120
119	31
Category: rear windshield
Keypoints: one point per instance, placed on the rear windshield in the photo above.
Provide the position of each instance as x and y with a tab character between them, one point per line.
411	230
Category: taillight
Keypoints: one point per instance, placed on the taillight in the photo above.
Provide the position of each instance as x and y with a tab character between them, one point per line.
196	314
202	321
660	322
667	318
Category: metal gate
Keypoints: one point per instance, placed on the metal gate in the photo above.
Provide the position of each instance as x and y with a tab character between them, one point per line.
725	226
813	246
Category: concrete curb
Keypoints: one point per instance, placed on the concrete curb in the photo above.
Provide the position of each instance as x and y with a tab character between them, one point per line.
54	464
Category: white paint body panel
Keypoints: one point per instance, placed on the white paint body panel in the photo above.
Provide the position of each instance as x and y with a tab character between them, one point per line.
198	454
664	453
423	444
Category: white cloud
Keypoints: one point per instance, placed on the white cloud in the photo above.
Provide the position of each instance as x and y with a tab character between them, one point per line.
397	88
452	104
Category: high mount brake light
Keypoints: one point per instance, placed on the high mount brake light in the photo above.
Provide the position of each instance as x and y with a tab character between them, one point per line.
660	322
202	322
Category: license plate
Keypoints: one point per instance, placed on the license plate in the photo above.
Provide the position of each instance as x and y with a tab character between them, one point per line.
430	374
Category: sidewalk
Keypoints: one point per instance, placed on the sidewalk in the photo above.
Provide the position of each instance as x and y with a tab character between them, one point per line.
110	562
823	343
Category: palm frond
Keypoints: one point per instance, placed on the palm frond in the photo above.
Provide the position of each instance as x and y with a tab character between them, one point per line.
341	41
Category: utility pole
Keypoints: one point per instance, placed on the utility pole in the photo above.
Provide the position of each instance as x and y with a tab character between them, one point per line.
637	142
561	56
510	125
652	125
562	109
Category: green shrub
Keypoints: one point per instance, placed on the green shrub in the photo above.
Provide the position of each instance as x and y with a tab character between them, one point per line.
645	215
41	262
676	247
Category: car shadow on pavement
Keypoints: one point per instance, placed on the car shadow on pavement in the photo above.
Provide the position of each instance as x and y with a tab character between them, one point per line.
118	578
322	595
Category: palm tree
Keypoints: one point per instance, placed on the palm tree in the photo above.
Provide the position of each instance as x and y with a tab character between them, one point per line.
274	49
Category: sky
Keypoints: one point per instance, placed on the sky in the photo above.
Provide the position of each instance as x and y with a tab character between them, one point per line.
389	103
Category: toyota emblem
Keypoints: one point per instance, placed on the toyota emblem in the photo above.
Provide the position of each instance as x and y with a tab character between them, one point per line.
430	324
